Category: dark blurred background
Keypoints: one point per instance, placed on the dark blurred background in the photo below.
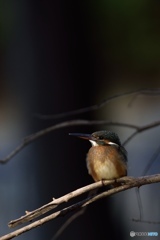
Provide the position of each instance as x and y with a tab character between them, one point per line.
58	56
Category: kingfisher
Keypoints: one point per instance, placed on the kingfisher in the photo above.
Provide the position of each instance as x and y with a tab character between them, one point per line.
107	158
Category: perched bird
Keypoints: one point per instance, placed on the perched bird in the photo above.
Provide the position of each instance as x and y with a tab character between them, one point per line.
107	158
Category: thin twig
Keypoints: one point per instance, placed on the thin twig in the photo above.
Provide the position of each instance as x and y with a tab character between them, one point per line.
145	221
98	106
69	221
29	139
140	206
142	129
73	217
151	161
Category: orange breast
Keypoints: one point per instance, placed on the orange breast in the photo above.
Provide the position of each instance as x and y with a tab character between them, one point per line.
105	162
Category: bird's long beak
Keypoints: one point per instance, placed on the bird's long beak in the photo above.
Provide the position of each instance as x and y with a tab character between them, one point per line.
83	135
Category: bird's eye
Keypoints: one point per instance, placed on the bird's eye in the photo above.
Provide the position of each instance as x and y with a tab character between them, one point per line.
100	138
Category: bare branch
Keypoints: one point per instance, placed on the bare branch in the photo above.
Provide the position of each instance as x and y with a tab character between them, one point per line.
56	202
128	183
151	161
100	105
69	221
29	139
142	129
145	221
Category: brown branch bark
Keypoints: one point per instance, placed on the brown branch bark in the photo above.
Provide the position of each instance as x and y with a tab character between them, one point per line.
128	183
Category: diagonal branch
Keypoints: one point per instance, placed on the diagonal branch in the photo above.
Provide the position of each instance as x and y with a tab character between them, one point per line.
56	202
29	139
142	129
128	183
100	105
